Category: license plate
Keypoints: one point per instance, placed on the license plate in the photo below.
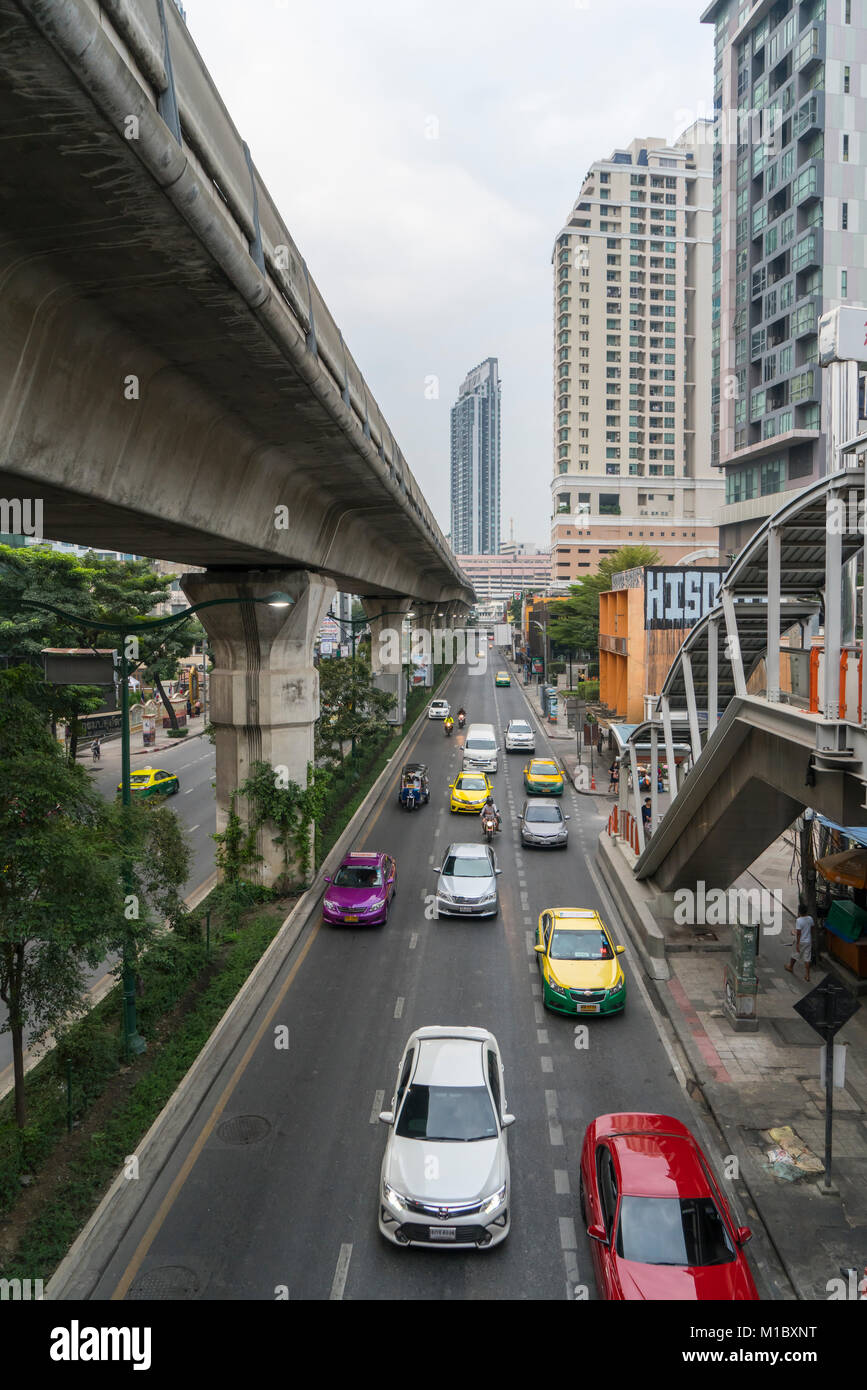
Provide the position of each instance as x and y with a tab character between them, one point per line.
442	1232
351	918
588	1008
465	909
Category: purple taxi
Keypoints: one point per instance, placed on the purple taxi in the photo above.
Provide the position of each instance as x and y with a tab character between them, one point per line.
361	890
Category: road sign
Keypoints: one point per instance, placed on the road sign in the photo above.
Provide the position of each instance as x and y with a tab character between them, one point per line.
843	335
827	1007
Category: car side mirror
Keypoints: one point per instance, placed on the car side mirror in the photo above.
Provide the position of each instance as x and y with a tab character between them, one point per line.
619	950
508	1120
498	871
451	786
743	1234
598	1232
567	817
328	878
387	1117
540	949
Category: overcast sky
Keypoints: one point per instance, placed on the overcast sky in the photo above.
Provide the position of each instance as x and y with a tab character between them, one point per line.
424	157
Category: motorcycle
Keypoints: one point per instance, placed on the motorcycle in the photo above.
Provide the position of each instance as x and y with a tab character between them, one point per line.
489	825
448	728
462	719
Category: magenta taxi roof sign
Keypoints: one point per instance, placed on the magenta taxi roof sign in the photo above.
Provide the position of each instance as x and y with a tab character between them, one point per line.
843	335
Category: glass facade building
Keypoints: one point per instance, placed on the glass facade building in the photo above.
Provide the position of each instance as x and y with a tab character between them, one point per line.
475	462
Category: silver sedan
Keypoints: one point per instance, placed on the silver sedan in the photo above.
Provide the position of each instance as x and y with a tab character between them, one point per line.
467	882
543	823
444	1181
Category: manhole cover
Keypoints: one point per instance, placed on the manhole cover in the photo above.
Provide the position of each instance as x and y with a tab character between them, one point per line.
243	1129
170	1282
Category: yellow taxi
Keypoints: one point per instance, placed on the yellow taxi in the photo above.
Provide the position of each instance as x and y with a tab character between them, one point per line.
502	678
542	777
151	781
578	962
469	792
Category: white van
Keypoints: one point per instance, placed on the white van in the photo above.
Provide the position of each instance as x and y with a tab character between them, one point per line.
480	749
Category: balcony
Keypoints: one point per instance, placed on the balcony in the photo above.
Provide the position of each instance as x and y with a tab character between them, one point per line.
809	51
805	319
809	116
805	252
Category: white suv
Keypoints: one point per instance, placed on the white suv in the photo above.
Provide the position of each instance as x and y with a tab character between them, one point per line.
445	1172
438	709
520	737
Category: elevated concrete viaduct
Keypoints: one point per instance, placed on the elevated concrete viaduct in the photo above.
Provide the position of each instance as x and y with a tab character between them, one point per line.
172	382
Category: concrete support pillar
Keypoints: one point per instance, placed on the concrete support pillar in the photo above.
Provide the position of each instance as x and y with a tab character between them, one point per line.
712	674
835	522
691	707
386	616
264	686
772	659
654	777
673	788
429	619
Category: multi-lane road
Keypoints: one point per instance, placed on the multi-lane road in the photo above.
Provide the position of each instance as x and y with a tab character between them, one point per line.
295	1209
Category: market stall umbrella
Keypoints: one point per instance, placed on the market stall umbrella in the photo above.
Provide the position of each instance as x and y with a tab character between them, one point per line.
849	868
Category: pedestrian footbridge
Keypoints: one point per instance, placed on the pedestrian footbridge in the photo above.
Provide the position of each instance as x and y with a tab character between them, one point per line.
769	691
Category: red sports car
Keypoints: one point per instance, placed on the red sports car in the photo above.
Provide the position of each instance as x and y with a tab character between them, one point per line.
659	1226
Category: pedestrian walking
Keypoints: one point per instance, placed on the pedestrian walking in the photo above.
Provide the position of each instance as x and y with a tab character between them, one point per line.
189	707
95	750
646	817
614	778
803	942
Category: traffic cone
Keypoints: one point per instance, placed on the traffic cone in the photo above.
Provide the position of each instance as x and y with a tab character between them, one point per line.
593	784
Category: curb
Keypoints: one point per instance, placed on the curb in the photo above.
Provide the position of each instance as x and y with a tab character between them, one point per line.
84	1264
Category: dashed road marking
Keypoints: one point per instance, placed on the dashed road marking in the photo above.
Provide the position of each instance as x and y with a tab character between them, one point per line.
536	987
555	1131
542	1037
398	1008
568	1239
342	1270
525	902
570	1260
539	1012
413	941
189	790
547	1063
378	1099
192	828
561	1182
528	937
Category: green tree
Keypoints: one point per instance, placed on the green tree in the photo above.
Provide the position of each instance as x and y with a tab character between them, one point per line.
350	706
574	624
64	902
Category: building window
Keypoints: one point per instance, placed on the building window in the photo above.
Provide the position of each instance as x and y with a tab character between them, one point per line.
844	284
846	80
844	217
845	149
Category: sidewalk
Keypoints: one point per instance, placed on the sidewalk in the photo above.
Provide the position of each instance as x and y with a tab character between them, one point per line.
110	749
769	1080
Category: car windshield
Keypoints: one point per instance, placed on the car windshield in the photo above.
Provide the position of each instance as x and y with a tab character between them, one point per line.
670	1231
472	784
580	945
549	815
140	777
543	769
447	1114
356	877
466	868
518	728
482	745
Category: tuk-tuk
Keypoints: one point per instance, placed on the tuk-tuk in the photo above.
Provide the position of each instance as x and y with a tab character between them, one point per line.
414	786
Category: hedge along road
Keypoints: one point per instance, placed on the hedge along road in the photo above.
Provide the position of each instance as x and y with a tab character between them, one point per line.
294	1207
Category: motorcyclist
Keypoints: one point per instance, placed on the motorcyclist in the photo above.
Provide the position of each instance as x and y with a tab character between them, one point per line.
490	809
448	724
462	714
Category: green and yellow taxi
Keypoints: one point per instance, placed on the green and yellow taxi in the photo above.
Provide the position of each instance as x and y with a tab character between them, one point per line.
579	963
502	678
469	792
151	781
542	777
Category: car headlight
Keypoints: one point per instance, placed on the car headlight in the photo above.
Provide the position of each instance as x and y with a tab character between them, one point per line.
557	989
618	986
332	907
489	897
446	896
393	1198
496	1199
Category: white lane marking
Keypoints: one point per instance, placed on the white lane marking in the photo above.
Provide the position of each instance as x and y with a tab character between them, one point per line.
436	832
431	859
568	1239
532	966
561	1182
528	921
378	1099
570	1259
547	1063
340	1273
191	829
413	941
398	1008
635	974
189	790
528	937
525	902
536	987
539	1012
542	1037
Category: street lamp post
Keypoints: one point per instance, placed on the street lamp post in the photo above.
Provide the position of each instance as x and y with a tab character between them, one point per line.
134	1043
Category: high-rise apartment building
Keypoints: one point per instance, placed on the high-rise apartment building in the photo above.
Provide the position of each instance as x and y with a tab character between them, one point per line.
632	305
475	460
789	236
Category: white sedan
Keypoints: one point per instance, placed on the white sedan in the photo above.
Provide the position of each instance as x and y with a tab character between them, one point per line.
438	709
445	1171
